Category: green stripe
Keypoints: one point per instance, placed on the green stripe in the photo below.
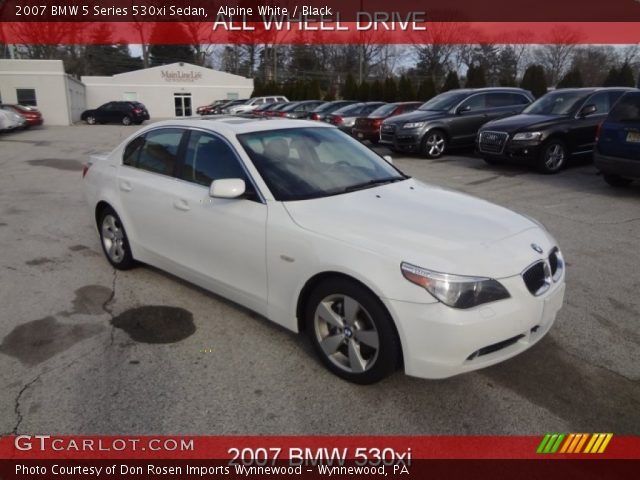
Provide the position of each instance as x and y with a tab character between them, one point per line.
558	442
544	440
550	443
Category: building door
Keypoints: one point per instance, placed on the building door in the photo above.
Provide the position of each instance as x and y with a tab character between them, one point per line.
182	103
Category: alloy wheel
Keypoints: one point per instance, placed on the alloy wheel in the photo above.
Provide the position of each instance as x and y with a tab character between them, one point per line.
434	144
91	120
113	238
554	157
346	333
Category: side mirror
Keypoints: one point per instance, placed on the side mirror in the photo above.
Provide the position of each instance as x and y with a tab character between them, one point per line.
461	110
588	110
388	159
227	188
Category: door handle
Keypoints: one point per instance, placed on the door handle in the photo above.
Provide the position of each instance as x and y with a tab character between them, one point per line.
125	186
181	204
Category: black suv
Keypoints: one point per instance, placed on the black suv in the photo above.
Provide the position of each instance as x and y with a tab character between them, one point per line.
557	125
120	112
617	153
451	119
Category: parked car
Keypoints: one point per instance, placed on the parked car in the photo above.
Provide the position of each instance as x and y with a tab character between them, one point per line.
274	108
557	125
326	108
210	109
285	219
224	108
10	120
299	109
368	128
451	119
345	118
255	102
32	115
617	153
261	110
124	112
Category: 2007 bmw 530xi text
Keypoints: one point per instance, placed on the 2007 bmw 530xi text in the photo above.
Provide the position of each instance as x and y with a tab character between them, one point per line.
306	226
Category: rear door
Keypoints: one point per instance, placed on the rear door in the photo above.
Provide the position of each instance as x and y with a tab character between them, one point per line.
145	182
620	133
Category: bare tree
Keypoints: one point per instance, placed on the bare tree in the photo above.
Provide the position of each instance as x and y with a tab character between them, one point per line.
556	57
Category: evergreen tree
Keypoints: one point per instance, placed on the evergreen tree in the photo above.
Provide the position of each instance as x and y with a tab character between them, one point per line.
613	78
376	92
313	90
405	89
534	80
364	91
350	90
427	90
452	82
572	79
390	90
625	78
475	77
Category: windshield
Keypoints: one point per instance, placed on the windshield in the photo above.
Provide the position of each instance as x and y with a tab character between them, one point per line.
304	163
556	103
384	110
444	101
350	109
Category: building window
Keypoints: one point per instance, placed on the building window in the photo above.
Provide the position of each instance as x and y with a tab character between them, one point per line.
26	96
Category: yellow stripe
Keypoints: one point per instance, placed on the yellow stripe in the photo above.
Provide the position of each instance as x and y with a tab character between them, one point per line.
577	438
596	445
582	440
605	443
587	449
567	442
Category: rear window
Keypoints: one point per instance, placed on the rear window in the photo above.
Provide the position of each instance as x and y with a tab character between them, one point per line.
627	109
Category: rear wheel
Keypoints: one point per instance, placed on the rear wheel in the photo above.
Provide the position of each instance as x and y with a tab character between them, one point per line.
126	120
352	332
113	238
434	144
616	180
553	156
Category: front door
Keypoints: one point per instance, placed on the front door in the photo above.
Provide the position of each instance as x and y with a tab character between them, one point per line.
182	103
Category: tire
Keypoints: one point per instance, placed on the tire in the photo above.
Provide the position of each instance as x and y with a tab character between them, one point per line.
616	180
553	156
375	141
114	241
126	120
434	144
91	120
360	345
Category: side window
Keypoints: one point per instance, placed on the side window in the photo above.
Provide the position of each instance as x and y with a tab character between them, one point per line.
26	96
475	103
497	100
614	96
130	155
259	101
106	106
209	158
160	151
627	109
601	101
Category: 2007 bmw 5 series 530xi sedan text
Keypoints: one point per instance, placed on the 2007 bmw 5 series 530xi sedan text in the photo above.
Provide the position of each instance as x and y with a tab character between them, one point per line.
306	226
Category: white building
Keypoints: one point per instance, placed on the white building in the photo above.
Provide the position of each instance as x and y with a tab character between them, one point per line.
167	91
43	84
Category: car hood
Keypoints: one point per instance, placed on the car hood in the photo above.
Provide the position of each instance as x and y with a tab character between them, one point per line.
416	116
428	226
523	122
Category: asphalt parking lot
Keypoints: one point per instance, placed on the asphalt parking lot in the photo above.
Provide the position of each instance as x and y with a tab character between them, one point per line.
73	361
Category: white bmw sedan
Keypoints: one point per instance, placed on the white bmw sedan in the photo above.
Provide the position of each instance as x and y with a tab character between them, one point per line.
304	225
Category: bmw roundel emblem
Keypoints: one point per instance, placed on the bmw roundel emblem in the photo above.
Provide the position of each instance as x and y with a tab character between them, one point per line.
537	247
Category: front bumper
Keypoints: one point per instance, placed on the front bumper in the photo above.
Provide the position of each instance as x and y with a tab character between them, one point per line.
524	152
622	167
366	133
439	341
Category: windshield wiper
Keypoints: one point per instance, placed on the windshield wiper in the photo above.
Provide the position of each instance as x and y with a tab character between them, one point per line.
371	183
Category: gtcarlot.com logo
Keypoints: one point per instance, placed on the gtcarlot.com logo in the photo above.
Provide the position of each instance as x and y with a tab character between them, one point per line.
574	443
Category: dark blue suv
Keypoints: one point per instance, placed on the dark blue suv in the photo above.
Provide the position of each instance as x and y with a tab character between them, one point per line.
617	153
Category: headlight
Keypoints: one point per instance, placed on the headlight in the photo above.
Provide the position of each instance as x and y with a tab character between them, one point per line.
413	125
455	290
527	136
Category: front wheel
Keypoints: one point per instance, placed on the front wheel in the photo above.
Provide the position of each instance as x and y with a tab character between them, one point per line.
616	180
352	332
553	156
434	144
91	120
115	243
